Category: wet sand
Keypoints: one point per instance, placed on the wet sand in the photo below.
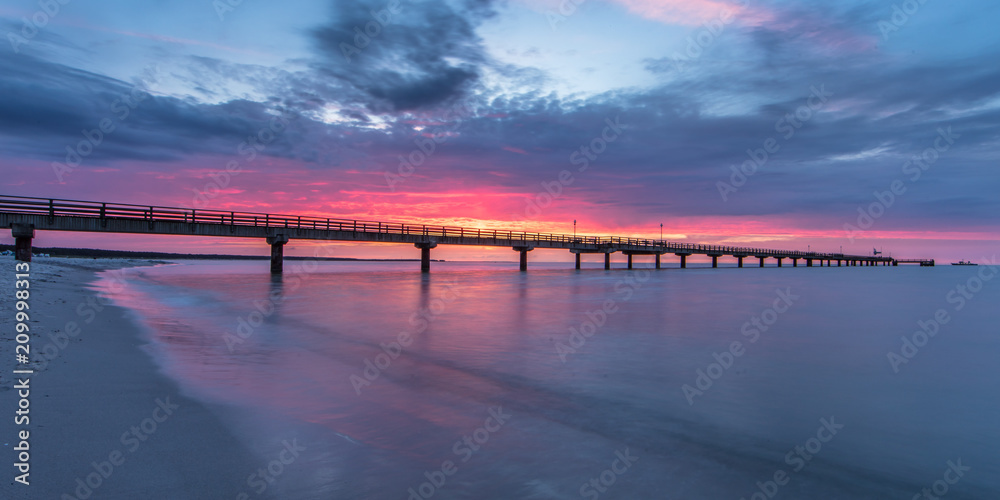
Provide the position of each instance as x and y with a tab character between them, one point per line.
104	422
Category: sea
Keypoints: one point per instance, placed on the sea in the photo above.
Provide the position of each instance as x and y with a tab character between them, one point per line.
371	380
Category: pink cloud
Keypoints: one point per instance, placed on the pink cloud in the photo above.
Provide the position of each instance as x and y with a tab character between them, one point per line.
695	12
815	29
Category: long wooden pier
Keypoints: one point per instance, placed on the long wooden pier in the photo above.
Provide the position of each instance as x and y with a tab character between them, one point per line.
24	216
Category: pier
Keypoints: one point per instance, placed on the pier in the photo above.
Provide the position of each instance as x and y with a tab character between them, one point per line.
24	216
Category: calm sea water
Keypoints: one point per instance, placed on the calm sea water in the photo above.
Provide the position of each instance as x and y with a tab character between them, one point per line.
471	382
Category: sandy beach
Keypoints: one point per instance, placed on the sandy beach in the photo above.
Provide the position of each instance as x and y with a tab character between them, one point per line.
104	422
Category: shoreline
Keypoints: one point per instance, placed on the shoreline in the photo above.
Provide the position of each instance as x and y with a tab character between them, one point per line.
105	422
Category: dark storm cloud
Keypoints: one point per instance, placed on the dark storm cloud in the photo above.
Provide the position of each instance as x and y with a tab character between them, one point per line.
408	54
48	107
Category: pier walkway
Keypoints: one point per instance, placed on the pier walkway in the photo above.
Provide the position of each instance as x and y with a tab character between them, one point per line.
25	215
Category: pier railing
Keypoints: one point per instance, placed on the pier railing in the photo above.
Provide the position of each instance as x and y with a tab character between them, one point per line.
53	207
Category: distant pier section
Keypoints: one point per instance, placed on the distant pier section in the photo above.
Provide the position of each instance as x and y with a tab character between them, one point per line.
25	215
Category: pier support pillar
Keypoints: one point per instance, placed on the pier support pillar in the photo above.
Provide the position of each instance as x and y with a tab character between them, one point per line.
779	261
425	260
739	261
838	262
22	233
657	261
715	261
277	243
684	262
578	261
630	261
761	261
795	262
524	256
607	261
809	262
425	255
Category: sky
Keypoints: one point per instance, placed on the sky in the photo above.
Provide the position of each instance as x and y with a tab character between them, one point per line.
774	123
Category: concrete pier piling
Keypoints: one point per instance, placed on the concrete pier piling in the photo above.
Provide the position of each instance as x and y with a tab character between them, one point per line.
277	243
22	233
524	255
425	255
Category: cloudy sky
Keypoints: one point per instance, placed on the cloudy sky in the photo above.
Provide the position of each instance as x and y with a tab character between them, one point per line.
767	122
